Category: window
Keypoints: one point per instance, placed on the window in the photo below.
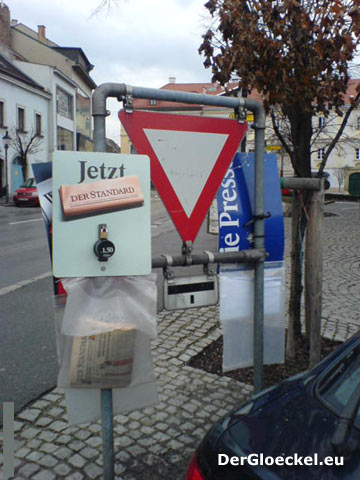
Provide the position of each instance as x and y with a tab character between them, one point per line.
321	122
38	124
357	153
321	153
64	103
358	123
2	120
337	386
21	119
65	139
152	102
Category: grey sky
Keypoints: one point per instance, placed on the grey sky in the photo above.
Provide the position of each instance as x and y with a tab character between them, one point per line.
138	42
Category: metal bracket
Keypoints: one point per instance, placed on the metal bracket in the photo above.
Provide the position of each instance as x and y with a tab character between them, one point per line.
264	216
128	100
186	250
240	114
210	268
168	274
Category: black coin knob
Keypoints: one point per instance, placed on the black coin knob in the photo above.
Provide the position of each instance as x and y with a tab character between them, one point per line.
104	249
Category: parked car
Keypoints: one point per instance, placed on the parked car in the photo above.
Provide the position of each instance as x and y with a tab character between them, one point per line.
311	417
27	194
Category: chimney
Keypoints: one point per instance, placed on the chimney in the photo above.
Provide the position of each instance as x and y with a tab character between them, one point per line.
5	24
41	33
172	79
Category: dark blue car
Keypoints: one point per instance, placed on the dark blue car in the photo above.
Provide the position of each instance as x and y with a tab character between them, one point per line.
307	427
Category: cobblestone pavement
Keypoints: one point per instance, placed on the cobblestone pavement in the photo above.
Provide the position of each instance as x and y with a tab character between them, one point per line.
156	443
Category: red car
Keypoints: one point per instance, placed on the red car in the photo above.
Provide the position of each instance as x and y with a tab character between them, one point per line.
27	194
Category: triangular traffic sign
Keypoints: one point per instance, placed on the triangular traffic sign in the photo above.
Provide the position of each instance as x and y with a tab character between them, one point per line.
189	157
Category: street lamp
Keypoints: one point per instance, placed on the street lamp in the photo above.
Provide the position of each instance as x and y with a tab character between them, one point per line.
6	139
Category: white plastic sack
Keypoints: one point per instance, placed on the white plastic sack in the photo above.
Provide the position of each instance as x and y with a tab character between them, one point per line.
103	304
237	316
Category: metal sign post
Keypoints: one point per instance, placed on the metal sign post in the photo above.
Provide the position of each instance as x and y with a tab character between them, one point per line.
126	94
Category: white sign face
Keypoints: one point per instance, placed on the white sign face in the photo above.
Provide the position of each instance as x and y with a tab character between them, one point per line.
187	159
101	214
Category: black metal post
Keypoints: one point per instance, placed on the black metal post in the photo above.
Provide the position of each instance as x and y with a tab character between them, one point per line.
6	146
107	433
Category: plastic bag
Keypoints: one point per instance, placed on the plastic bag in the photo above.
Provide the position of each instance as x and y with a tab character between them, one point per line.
103	304
237	316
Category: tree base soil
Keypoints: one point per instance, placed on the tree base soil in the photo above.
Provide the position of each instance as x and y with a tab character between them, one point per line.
210	360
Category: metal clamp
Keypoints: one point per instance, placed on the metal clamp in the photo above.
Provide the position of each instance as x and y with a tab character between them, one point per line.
186	250
168	274
128	100
210	269
263	216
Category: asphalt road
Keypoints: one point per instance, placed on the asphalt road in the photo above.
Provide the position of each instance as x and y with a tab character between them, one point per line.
28	359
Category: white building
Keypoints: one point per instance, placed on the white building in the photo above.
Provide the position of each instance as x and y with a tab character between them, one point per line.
24	110
62	110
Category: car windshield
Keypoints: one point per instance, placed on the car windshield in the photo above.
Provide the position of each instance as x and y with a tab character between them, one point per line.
339	384
30	182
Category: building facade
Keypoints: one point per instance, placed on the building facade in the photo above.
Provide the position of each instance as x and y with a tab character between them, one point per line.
24	117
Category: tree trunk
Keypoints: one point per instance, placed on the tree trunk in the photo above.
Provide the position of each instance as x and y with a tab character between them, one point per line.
301	132
298	226
313	276
24	167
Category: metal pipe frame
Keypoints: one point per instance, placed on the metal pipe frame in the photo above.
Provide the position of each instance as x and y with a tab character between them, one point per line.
121	91
295	183
244	256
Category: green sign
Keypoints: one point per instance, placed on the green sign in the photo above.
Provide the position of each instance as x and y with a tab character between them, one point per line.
101	214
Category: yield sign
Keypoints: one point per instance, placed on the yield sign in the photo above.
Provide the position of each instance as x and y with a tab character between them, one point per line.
189	157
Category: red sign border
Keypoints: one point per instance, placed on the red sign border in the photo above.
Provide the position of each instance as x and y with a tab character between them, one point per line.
135	123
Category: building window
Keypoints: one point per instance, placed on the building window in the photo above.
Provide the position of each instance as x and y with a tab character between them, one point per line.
38	124
321	153
21	119
357	153
2	119
358	123
152	102
321	122
64	103
65	139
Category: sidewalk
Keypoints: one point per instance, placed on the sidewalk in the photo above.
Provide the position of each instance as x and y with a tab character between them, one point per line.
154	443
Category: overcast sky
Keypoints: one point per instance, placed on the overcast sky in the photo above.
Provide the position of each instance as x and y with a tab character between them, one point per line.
138	42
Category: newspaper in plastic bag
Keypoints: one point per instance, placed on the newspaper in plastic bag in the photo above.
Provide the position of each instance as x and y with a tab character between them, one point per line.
103	304
237	315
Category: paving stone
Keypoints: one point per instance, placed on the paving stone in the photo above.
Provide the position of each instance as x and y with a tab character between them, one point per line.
75	476
34	456
48	447
21	453
93	471
29	469
89	452
58	426
56	411
62	469
63	453
48	436
76	445
77	461
47	461
43	421
94	441
44	475
30	415
30	433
